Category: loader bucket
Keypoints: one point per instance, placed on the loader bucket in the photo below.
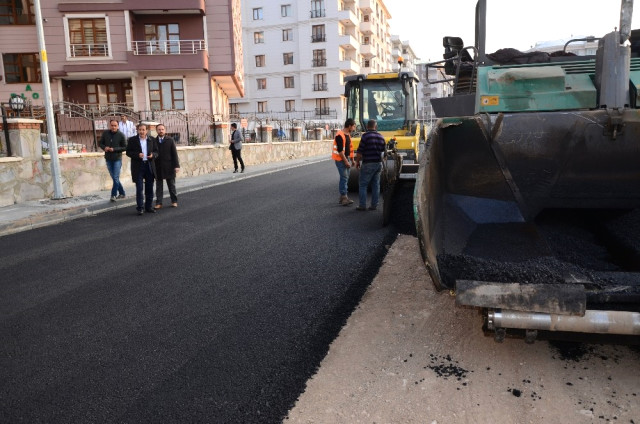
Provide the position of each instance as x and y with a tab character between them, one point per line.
484	179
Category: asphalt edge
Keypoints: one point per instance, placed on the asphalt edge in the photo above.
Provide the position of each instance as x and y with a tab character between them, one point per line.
60	214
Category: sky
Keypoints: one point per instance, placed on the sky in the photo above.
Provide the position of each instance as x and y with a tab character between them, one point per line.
517	24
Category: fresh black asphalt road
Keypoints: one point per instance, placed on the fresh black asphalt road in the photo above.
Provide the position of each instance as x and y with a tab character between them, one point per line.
217	311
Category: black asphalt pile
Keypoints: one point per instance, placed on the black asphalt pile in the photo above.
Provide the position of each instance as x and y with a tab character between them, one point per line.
600	248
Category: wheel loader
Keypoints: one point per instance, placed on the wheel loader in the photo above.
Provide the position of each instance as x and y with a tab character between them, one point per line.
527	199
391	99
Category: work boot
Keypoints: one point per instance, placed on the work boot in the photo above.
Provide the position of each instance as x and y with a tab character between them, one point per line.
345	201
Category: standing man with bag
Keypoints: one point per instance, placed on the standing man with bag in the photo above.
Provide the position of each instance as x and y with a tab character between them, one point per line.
343	156
114	143
168	164
143	151
236	148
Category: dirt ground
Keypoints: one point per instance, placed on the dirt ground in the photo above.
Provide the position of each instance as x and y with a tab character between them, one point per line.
409	355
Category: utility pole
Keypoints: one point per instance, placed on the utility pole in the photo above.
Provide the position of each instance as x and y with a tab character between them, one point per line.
48	107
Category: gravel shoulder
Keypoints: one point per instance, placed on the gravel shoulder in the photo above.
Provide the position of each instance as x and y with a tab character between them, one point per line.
408	354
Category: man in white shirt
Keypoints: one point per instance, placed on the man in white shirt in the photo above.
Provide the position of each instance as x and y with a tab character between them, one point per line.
143	151
126	127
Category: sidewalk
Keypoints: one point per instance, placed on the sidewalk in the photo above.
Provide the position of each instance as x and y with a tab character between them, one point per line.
40	213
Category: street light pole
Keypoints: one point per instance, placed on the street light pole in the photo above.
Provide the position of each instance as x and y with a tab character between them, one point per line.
48	107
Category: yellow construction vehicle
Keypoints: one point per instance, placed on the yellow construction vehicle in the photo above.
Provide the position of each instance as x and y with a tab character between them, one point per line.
391	99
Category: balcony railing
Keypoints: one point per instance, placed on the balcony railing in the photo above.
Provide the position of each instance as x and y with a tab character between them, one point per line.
318	13
320	87
89	50
318	62
317	38
162	47
322	111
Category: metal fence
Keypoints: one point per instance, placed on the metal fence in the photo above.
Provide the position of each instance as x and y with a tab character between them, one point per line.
79	126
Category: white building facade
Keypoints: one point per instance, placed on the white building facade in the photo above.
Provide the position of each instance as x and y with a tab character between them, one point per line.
297	52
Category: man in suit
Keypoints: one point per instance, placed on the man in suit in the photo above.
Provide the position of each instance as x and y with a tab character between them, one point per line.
143	151
167	165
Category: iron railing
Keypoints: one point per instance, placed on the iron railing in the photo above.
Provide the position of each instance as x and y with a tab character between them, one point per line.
164	47
89	50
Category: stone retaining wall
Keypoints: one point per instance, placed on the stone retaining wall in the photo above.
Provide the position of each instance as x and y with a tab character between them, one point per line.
29	178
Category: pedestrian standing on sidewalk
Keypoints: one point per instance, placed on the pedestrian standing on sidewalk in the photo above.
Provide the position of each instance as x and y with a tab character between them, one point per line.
369	161
143	152
236	148
167	165
127	127
113	142
343	157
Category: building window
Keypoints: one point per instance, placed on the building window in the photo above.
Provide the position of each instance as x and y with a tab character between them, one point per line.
257	14
288	58
322	106
285	10
366	63
166	94
320	82
262	83
233	108
319	58
258	37
289	105
162	38
21	67
318	34
88	37
287	35
260	61
317	8
262	107
365	18
17	12
102	94
288	82
365	40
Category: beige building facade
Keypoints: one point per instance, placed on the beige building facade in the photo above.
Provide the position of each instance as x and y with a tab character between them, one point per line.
154	55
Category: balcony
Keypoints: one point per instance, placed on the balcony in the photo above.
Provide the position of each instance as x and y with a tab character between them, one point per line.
321	87
318	62
167	47
348	42
187	59
318	38
348	17
320	111
367	6
366	27
89	50
349	66
367	50
318	13
155	6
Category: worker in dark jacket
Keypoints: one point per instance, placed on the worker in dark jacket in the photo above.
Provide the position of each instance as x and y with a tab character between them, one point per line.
143	151
369	160
113	142
167	165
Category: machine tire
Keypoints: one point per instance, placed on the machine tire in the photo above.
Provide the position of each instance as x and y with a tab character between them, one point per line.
353	185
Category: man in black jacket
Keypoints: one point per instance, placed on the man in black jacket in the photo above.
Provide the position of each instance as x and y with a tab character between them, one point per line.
143	152
168	164
113	142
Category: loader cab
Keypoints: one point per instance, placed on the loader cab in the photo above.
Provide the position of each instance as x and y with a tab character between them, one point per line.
390	99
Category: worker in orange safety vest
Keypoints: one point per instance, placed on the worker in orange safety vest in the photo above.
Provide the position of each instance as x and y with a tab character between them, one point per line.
343	156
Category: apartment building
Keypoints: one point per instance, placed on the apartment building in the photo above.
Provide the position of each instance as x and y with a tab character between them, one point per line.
158	55
428	88
297	53
402	49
